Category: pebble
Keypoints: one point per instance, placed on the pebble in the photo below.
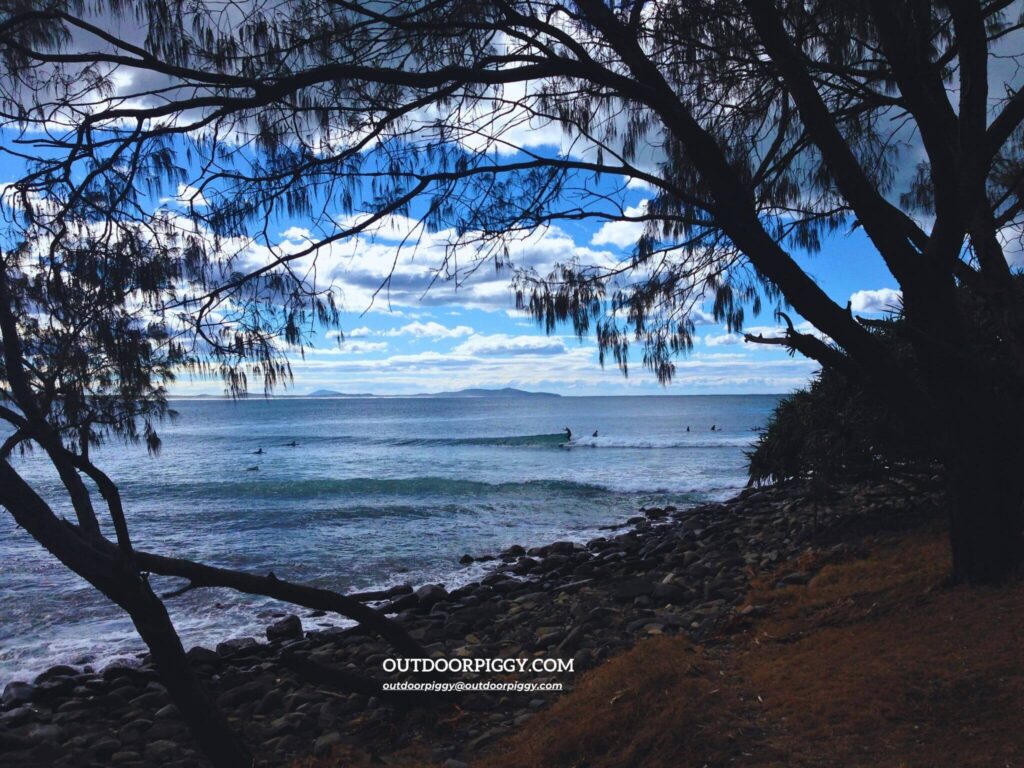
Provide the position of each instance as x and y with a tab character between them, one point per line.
673	571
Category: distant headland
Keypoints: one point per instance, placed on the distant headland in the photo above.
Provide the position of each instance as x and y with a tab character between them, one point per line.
329	393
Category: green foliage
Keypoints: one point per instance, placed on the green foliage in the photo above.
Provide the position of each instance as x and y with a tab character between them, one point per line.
832	429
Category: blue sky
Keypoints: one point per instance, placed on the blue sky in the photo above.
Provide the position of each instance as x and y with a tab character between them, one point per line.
411	340
471	336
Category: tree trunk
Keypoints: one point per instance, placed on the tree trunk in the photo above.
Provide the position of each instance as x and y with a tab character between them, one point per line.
986	514
218	741
104	568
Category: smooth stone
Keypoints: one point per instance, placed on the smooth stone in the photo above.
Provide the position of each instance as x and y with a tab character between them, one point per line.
288	628
61	670
430	594
127	756
200	655
105	746
16	694
627	589
161	750
323	745
170	712
229	647
273	701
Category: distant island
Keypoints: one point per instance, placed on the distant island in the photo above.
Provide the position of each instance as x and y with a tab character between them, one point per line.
333	393
477	392
472	392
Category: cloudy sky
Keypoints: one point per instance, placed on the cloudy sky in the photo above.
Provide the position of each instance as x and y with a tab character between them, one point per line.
422	335
417	337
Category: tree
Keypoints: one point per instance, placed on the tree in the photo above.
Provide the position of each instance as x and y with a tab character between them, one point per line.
774	124
89	342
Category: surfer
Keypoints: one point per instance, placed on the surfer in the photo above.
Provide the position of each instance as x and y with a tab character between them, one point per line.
568	435
292	444
595	433
258	453
714	428
253	468
687	429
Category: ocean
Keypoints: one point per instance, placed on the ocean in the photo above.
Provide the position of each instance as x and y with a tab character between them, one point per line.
376	492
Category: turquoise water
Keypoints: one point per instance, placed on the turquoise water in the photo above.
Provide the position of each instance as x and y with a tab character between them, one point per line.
378	491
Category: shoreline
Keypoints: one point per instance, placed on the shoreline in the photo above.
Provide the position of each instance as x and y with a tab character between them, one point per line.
664	572
127	648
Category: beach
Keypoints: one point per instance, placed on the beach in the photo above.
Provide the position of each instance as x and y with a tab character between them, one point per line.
670	572
377	492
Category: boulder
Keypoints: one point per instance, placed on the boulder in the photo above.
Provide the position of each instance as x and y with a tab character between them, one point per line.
323	745
288	628
16	694
627	589
430	594
233	646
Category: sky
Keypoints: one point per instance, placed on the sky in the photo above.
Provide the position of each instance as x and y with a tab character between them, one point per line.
416	339
421	335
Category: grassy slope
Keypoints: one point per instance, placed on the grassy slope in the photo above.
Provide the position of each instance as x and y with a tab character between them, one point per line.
873	663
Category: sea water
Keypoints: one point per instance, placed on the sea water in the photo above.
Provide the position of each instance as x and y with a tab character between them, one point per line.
376	492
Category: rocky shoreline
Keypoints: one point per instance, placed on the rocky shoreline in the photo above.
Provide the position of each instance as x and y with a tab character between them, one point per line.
666	571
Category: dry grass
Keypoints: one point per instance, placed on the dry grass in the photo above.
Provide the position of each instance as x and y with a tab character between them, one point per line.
874	663
631	712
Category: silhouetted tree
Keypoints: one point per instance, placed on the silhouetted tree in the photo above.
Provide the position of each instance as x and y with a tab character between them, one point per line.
760	127
88	346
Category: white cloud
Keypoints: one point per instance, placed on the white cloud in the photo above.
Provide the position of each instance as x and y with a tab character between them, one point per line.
876	302
622	233
359	347
768	331
503	344
187	195
430	330
299	234
723	340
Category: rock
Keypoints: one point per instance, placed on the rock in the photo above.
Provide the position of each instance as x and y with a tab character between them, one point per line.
105	746
627	589
134	730
430	594
465	560
451	762
272	701
796	578
16	694
233	646
46	733
170	712
126	756
325	743
199	655
669	593
18	716
288	628
161	750
61	670
251	691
